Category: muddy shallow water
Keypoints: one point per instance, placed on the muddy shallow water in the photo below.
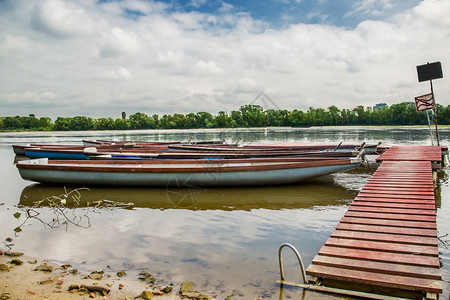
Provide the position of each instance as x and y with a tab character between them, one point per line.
224	239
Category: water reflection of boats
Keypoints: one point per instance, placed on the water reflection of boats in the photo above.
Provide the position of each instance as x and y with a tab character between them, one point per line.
312	193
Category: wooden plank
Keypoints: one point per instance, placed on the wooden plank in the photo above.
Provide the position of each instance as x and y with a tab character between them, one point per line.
389	210
385	198
389	257
395	200
383	222
392	173
413	157
384	229
396	192
384	280
372	215
405	168
399	191
378	267
385	177
400	181
385	237
383	246
401	185
368	194
403	177
399	188
409	158
393	205
437	160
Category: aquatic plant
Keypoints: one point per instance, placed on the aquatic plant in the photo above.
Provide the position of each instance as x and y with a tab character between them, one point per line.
62	213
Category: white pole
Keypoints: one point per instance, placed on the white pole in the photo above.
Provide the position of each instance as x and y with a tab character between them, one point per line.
429	127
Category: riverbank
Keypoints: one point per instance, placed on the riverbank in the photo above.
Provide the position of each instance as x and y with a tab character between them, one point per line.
219	129
23	277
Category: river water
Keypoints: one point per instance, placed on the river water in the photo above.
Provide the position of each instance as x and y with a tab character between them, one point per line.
225	240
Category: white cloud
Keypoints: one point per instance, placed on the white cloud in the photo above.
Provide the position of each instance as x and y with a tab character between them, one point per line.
434	12
118	41
29	99
117	74
207	68
226	8
370	7
197	3
94	60
61	18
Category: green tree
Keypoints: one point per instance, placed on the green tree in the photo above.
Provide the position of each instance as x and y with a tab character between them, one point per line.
362	116
237	119
277	117
252	115
191	120
297	118
223	120
62	124
81	123
443	114
121	124
405	113
335	114
141	121
104	124
204	120
45	123
179	121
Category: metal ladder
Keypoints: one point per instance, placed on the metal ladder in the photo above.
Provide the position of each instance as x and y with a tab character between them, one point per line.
318	288
300	261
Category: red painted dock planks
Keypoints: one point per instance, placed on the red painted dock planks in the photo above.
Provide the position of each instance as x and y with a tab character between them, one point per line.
388	236
412	153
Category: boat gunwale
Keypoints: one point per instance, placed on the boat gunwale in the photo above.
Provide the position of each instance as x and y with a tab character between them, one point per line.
139	166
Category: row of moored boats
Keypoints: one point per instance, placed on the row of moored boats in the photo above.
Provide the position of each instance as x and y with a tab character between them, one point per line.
184	164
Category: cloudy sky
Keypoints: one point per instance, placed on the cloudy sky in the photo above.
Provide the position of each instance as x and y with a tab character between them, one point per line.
99	58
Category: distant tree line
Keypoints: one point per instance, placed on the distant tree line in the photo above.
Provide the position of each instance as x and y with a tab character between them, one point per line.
247	116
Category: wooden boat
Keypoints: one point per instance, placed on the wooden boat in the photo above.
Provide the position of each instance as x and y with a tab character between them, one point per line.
163	155
369	148
141	143
83	152
60	151
182	173
20	149
163	152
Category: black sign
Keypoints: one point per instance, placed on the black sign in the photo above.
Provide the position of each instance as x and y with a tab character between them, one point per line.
429	71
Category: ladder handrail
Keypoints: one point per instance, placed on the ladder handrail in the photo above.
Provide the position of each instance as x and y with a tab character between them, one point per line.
300	261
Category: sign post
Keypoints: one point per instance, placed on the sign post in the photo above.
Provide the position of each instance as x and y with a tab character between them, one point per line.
429	72
425	103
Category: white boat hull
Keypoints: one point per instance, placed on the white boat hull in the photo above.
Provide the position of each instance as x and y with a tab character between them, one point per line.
208	176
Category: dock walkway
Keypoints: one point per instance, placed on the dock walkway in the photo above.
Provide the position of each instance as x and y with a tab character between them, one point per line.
388	236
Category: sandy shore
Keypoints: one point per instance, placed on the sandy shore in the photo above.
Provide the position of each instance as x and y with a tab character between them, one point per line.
23	277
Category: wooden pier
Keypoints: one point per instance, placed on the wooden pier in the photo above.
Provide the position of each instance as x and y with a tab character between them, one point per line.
387	239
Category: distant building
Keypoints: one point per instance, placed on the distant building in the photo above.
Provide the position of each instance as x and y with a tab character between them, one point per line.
379	105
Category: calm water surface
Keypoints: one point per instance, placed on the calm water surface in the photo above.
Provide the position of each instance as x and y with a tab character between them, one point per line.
224	239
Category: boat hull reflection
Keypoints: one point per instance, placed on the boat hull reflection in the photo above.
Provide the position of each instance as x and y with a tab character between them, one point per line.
313	193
